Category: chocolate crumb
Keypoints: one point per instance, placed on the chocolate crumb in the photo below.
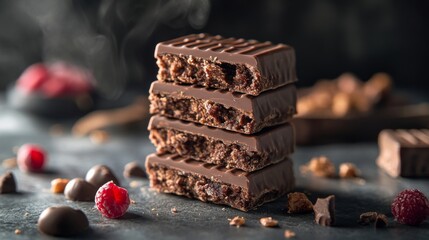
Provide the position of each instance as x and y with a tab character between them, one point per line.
237	221
348	170
298	203
135	184
324	211
132	201
18	231
99	136
9	163
320	166
381	221
289	234
173	210
367	218
269	222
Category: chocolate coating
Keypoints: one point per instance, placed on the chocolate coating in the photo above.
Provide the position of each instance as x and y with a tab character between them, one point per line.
278	104
404	153
278	176
99	175
133	169
275	63
324	211
7	183
80	190
62	221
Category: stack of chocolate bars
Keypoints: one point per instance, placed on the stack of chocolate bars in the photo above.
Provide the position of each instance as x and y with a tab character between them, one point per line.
221	127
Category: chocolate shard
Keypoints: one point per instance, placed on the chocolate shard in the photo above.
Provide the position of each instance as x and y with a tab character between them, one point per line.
7	183
133	169
217	146
62	221
238	65
170	173
324	211
404	153
222	109
78	189
99	175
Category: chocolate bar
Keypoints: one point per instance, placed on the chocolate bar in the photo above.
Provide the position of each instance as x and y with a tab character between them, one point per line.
404	153
237	65
222	109
221	147
171	173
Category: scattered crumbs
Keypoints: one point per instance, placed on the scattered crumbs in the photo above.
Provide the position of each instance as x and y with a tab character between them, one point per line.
153	209
56	130
237	221
9	163
135	184
173	210
26	214
348	170
99	136
367	218
289	234
320	166
132	201
269	222
18	231
223	209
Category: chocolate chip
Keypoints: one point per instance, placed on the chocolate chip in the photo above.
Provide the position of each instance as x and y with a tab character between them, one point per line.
62	221
7	183
99	175
133	169
324	211
80	190
298	203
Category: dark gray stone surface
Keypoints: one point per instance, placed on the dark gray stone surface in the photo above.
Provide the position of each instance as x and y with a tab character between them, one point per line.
151	217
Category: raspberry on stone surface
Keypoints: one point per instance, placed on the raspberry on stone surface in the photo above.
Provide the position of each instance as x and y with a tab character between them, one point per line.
111	200
410	207
31	158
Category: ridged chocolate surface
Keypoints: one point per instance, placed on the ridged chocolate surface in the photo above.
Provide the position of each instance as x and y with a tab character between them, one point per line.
269	103
276	62
404	152
277	141
278	176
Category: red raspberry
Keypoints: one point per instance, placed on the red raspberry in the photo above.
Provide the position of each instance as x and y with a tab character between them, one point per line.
410	207
33	77
31	158
112	201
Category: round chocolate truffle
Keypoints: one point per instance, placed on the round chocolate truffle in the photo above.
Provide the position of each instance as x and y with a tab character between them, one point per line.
62	221
99	175
80	190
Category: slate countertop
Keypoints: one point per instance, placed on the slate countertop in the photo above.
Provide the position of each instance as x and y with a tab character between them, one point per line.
151	217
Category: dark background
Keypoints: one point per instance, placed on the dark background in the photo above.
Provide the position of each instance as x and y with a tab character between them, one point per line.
116	39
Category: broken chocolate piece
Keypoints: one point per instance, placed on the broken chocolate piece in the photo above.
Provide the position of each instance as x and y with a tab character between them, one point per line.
7	183
404	153
99	175
221	147
217	108
78	189
62	221
170	173
324	211
133	169
298	202
237	65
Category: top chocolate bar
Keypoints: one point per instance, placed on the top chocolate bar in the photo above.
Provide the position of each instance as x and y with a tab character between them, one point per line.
238	65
